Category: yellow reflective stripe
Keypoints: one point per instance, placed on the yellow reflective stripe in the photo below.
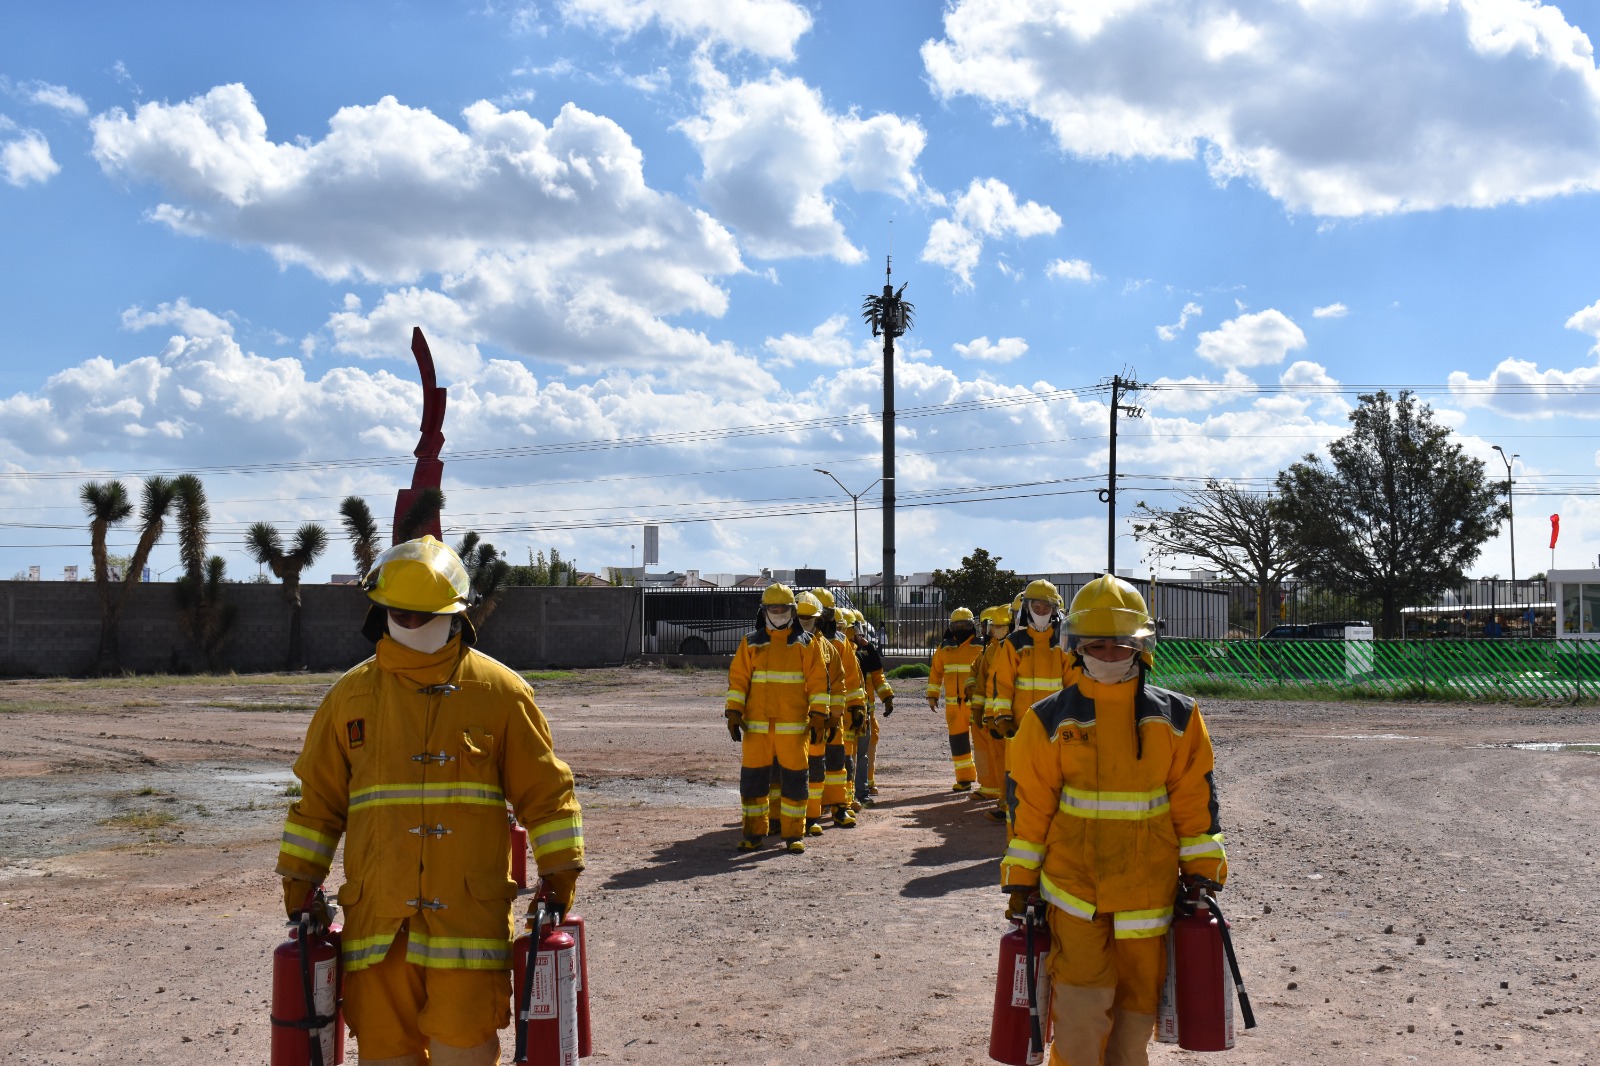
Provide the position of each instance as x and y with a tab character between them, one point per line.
821	699
1000	705
779	677
934	690
557	834
834	777
1060	897
957	668
962	762
735	696
306	843
367	951
458	952
1039	684
858	695
885	690
756	809
793	808
426	794
789	727
976	703
1122	806
1024	853
1136	925
1204	844
755	727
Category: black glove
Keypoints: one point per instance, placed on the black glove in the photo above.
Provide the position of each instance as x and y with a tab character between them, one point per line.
858	718
819	726
888	706
735	724
1002	727
1017	901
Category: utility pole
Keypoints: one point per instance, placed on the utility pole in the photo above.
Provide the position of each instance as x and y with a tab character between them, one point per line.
890	317
1108	495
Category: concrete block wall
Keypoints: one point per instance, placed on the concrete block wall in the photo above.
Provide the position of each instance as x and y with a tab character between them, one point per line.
52	628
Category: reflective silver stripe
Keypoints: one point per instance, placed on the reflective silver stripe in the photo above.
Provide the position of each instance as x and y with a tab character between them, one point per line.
381	795
1039	684
359	954
1128	806
1134	925
1058	897
735	696
790	727
779	677
755	727
298	844
1205	844
1025	853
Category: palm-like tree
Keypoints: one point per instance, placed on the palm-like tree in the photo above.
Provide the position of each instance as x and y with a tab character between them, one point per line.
266	547
363	533
107	504
428	505
488	572
201	612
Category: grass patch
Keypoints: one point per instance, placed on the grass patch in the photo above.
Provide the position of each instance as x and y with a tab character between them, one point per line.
148	790
143	820
910	670
134	705
262	705
292	790
1322	692
549	675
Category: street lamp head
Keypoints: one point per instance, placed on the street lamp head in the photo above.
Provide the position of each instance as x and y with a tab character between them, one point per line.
819	470
1497	448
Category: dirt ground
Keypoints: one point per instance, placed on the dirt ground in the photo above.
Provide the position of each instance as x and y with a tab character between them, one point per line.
1406	887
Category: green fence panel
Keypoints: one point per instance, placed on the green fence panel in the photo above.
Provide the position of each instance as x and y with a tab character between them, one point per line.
1444	669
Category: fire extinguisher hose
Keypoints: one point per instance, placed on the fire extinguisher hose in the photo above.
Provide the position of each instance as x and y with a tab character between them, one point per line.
1233	963
526	1000
313	1036
1030	918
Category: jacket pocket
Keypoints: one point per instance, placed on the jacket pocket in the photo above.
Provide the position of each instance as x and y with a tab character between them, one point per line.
477	745
491	886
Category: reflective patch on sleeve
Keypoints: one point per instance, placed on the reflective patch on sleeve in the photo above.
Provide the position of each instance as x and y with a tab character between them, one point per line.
306	843
1204	845
557	835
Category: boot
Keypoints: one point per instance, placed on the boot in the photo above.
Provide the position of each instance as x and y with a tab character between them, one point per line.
749	844
1082	1024
1130	1039
484	1054
843	819
813	827
796	845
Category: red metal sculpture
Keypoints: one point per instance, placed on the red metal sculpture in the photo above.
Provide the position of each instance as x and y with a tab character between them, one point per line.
430	468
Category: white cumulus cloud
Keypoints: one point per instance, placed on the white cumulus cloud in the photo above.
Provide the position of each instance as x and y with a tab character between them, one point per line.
1257	339
1071	269
988	209
181	315
1005	350
1333	310
25	155
827	345
57	96
1338	109
771	149
767	28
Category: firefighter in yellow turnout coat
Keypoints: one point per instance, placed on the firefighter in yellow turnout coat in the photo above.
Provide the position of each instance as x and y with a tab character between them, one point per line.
989	742
1111	797
948	675
849	714
412	757
808	609
1036	665
777	695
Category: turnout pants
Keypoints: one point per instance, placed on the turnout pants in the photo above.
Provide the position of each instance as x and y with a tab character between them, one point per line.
956	717
774	767
1105	991
989	755
399	1010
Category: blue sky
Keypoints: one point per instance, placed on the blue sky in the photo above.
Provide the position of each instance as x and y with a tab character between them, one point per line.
652	218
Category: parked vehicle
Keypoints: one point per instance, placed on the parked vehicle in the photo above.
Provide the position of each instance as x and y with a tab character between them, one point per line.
1312	631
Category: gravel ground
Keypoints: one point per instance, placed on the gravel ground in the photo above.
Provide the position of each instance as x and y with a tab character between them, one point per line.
1406	886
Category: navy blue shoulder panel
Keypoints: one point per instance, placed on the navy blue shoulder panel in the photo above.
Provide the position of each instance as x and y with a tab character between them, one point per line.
1063	706
756	637
799	636
1172	707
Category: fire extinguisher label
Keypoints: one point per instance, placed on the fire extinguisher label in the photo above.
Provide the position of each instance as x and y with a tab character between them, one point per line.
1019	982
1227	1004
1167	1009
577	938
542	1003
325	993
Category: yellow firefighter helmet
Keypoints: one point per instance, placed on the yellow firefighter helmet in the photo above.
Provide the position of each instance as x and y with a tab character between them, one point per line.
421	575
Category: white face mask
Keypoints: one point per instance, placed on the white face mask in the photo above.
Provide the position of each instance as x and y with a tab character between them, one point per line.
1111	672
779	618
1040	622
426	638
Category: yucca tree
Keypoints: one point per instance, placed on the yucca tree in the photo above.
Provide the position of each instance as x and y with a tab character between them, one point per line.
107	504
488	572
362	531
428	505
266	547
201	612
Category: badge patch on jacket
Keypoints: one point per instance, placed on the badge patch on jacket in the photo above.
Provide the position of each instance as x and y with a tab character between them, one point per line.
356	730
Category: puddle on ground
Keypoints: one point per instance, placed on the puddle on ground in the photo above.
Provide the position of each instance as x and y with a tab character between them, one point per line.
46	815
1540	745
1364	736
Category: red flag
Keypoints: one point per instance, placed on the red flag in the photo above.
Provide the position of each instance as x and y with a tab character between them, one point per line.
1555	529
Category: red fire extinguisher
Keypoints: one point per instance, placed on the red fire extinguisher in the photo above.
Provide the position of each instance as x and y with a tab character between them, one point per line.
1203	975
519	851
545	968
307	1022
573	926
1020	1027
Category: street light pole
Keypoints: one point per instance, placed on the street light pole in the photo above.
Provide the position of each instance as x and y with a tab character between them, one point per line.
1511	511
855	514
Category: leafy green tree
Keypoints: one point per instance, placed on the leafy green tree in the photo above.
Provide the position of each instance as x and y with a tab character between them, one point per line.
542	571
362	531
266	547
978	583
107	504
1398	512
1227	529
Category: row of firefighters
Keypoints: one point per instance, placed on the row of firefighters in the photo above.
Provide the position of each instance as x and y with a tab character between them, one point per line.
414	756
1104	782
